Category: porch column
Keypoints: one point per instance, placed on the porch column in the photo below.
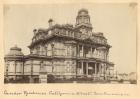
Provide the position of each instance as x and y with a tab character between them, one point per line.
95	68
100	69
104	71
82	67
86	68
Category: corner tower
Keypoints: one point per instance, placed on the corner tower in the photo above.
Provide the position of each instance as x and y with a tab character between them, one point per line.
83	22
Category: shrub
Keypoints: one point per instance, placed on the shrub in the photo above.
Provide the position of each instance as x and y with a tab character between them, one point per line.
121	81
133	81
50	78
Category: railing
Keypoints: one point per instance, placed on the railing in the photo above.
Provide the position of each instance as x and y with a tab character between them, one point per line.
72	35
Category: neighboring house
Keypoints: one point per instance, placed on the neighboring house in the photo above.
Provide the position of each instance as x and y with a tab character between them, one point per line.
132	76
123	76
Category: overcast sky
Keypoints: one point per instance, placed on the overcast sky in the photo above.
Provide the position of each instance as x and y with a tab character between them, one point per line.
116	21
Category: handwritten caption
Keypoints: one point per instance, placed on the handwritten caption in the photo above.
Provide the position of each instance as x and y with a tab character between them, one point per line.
62	93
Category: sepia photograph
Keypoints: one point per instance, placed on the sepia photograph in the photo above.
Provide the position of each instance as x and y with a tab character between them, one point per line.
90	43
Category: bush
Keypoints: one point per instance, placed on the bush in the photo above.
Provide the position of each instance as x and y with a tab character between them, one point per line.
50	78
5	80
133	81
121	81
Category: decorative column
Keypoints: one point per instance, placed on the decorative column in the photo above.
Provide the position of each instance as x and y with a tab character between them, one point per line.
107	55
82	67
95	69
87	68
52	45
95	53
83	50
78	51
104	71
45	51
15	70
23	68
91	53
109	71
6	70
31	76
15	67
100	69
42	73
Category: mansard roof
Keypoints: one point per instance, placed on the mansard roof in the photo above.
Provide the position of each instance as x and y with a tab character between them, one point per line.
71	32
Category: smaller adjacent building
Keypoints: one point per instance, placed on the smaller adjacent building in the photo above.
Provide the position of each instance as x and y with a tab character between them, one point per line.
130	76
14	64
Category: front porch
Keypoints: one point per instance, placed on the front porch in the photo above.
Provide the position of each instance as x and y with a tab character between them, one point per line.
94	70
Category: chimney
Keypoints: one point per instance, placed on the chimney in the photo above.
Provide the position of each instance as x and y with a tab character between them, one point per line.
35	31
50	22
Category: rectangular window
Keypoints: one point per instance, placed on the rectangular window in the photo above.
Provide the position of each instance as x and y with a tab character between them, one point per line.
68	51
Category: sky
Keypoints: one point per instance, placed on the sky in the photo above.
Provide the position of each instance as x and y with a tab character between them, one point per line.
116	21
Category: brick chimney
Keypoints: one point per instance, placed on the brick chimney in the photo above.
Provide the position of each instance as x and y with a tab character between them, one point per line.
50	21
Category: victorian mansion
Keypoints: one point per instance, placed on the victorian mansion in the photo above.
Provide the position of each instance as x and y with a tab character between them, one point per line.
62	51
